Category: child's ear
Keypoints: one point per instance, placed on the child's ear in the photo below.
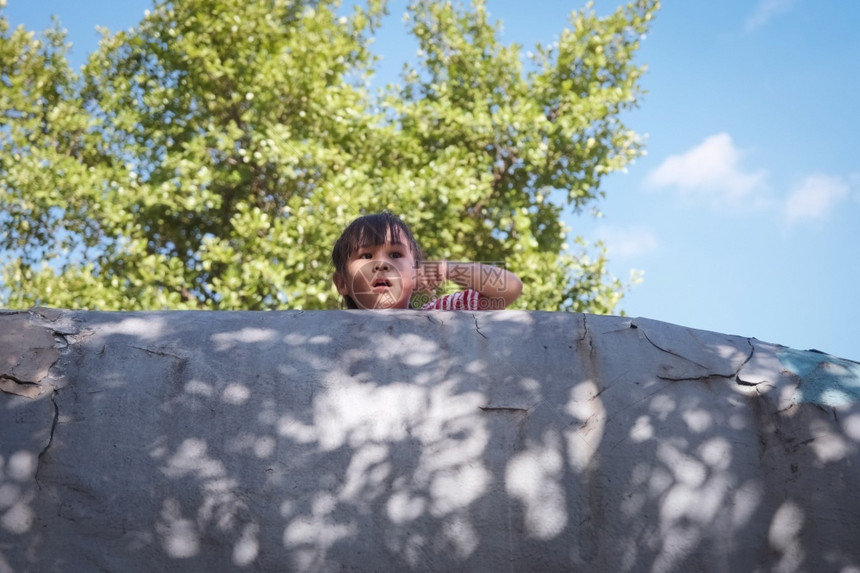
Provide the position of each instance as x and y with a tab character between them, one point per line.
340	283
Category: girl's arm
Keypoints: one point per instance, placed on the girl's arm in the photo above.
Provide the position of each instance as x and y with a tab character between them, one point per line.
500	287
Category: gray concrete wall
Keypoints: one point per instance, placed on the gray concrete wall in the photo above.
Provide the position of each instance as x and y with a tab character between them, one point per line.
415	441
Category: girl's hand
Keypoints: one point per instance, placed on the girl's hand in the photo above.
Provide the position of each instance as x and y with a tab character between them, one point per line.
431	274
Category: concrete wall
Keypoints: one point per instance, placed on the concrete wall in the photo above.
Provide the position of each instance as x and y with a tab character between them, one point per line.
415	441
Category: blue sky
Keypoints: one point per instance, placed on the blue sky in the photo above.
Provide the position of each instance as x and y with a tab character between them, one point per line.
745	213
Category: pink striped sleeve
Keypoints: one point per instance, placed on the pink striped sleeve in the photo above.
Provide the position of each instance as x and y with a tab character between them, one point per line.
462	300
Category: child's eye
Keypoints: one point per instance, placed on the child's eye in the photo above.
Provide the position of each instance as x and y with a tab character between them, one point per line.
396	255
364	255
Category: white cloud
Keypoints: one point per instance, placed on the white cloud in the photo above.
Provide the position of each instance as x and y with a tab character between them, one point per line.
764	12
815	198
627	242
711	169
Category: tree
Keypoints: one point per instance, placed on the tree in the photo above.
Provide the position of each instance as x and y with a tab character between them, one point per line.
210	157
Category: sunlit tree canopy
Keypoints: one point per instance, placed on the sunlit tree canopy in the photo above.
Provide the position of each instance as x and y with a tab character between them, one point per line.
209	157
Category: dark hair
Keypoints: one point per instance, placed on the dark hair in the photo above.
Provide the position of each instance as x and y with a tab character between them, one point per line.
371	230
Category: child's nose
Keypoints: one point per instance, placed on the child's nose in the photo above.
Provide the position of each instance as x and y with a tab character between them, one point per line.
380	266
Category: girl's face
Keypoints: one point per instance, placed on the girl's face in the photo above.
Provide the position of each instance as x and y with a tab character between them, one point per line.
379	276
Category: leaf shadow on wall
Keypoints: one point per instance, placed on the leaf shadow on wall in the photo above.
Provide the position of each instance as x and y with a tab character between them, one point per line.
362	441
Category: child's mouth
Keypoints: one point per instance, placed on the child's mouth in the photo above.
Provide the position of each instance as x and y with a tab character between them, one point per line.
381	284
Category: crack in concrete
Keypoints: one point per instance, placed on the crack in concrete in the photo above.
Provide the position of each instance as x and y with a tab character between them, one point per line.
508	409
737	375
692	378
671	353
478	328
158	352
601	391
11	385
734	376
54	421
433	320
16	380
586	334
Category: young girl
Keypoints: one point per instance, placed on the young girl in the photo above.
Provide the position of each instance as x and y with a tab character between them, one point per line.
378	265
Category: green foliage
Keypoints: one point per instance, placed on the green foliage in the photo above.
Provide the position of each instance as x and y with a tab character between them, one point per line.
209	157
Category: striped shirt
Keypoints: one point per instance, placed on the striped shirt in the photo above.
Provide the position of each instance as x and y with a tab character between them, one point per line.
462	300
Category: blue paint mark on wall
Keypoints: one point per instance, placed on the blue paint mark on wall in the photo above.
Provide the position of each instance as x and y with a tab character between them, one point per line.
824	379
